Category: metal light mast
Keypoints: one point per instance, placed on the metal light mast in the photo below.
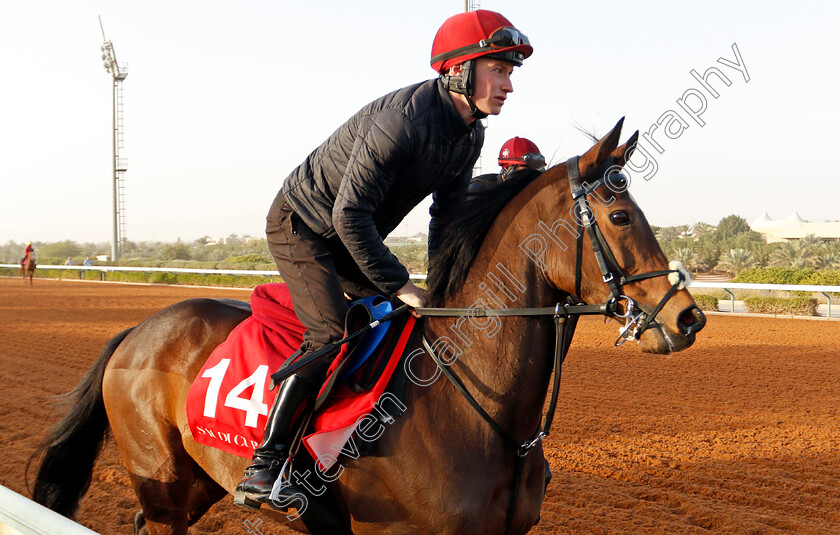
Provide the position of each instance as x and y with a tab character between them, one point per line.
472	5
118	72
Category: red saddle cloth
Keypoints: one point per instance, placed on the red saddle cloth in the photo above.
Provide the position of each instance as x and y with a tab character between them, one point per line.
229	400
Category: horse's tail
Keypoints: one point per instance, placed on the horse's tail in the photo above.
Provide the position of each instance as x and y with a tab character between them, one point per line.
74	444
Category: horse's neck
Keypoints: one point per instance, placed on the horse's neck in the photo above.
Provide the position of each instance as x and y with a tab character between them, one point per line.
505	362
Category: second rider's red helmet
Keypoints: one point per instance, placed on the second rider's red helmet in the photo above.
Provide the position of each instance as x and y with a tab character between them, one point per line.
521	151
478	33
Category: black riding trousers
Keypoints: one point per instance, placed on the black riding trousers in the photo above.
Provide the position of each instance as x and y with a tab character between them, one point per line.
318	272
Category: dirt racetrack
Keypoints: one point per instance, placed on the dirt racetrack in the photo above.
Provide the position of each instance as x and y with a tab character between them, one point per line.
738	434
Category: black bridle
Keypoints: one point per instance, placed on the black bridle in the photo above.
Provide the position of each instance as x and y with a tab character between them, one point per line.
612	275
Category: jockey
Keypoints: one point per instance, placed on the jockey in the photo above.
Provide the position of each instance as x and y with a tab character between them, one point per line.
519	157
326	226
26	252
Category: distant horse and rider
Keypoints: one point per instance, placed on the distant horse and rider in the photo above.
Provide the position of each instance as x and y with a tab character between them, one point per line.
27	266
466	456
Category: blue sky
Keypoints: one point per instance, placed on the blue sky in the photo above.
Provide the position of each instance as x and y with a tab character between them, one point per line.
224	99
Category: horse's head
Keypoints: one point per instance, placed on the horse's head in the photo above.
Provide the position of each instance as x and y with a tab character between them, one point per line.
583	237
606	251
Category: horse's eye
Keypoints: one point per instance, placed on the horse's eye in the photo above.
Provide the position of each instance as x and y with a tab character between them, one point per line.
620	218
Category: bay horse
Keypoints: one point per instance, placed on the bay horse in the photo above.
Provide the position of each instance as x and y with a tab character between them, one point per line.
440	468
27	267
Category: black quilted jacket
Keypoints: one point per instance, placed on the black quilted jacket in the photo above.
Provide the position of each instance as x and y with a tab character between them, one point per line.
368	175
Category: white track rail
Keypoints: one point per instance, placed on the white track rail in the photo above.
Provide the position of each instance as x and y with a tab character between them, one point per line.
726	286
22	516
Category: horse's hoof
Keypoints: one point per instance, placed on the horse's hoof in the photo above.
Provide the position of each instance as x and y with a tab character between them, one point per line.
243	501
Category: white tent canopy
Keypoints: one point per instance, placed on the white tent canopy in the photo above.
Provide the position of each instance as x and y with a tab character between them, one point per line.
794	227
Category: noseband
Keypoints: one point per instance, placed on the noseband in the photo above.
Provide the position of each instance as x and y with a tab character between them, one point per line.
611	274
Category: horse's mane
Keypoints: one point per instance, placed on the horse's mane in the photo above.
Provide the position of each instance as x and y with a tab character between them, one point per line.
464	234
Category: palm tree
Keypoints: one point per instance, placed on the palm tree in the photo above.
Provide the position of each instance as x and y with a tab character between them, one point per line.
701	229
792	254
686	256
683	231
827	261
800	263
736	260
667	234
811	242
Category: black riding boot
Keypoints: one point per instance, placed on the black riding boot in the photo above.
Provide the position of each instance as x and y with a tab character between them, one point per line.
293	401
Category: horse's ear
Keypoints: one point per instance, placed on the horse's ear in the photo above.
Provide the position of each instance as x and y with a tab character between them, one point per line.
602	149
623	153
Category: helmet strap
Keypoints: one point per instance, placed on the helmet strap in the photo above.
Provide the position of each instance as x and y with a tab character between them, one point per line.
464	84
474	111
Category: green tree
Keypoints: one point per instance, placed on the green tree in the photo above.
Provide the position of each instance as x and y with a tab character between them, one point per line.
60	249
667	234
812	243
685	255
730	226
683	231
11	252
736	260
233	240
708	252
792	254
749	240
701	229
175	251
761	252
827	261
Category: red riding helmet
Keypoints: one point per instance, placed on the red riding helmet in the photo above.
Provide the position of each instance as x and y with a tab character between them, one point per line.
473	34
521	151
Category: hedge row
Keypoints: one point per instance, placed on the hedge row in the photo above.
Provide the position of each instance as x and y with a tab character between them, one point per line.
195	279
779	275
796	306
706	302
241	262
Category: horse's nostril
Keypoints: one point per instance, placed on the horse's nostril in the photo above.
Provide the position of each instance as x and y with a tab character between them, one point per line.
691	320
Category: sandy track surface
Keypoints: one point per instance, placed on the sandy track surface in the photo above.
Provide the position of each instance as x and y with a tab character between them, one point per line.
738	434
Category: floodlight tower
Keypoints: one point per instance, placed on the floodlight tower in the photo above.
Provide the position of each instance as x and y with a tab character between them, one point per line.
118	72
472	5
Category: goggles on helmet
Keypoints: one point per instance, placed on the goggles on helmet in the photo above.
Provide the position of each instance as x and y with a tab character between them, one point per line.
537	161
500	39
531	159
504	38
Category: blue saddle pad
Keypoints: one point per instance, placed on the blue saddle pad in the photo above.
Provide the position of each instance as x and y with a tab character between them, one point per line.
378	307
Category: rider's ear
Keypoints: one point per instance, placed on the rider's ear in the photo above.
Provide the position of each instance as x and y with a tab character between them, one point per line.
456	70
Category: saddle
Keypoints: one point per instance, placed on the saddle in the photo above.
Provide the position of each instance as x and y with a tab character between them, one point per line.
228	402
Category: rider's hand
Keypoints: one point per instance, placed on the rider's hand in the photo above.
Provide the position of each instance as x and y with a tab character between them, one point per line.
412	296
